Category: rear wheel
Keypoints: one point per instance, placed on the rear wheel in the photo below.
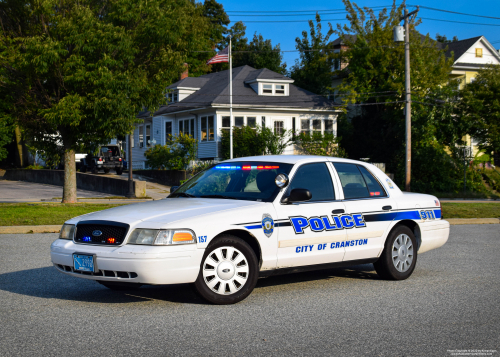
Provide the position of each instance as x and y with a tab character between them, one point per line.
229	271
399	257
119	286
119	170
83	168
106	171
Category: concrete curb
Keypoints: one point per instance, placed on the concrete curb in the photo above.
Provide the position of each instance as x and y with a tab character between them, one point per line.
458	221
30	229
57	228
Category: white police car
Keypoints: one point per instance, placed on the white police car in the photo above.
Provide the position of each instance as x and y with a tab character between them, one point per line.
251	217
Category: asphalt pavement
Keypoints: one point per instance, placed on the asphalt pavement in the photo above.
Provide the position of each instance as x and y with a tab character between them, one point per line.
451	302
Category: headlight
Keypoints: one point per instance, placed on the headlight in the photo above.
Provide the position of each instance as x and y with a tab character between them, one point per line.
67	231
162	237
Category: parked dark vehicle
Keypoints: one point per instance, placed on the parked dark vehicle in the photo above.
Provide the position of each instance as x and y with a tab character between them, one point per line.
108	158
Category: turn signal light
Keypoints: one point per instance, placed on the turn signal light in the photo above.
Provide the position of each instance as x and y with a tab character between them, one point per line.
111	240
182	237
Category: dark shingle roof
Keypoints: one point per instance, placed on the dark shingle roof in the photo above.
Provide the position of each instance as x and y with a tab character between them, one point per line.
458	47
190	82
265	73
216	92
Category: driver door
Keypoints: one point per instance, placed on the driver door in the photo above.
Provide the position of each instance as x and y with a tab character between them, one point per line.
309	231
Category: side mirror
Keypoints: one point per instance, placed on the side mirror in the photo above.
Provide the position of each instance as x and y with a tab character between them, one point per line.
298	195
173	189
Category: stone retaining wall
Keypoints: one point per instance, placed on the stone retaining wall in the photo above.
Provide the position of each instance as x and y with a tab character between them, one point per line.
89	182
165	177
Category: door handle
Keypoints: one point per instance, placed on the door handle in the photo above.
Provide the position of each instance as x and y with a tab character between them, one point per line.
387	208
338	211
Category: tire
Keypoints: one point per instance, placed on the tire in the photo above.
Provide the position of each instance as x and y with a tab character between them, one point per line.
399	258
119	286
119	171
228	272
83	169
106	171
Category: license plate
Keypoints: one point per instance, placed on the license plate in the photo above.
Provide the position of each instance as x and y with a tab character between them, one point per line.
83	262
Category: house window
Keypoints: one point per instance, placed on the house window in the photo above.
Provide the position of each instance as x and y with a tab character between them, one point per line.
479	52
304	126
148	135
293	126
184	127
226	122
328	126
252	122
239	122
316	125
267	88
279	89
278	127
173	96
168	131
263	122
192	128
141	136
207	128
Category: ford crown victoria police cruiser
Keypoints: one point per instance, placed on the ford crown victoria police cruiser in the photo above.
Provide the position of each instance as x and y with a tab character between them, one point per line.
251	217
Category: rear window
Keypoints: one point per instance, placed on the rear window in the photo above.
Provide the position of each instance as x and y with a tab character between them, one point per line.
358	182
109	150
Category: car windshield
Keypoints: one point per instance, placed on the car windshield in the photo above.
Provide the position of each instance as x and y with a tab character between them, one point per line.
252	181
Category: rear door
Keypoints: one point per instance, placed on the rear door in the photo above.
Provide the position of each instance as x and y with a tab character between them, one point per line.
308	234
363	194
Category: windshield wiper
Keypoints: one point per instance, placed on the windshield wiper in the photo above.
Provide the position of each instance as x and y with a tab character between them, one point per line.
218	196
184	194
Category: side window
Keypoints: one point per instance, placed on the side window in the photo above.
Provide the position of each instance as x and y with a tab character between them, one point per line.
353	183
316	178
373	186
357	182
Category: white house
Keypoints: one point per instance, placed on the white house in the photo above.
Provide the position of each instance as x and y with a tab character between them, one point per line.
199	106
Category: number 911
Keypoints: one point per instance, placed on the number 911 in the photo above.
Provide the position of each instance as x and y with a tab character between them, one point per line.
427	215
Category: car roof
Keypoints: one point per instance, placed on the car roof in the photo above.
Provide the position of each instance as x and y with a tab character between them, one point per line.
293	159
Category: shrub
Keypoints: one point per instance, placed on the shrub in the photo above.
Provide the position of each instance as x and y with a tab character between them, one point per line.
175	155
249	141
320	144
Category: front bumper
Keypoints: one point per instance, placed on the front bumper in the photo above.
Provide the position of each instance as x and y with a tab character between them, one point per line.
155	265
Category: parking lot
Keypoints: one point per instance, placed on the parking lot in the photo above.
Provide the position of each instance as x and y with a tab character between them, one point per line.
451	302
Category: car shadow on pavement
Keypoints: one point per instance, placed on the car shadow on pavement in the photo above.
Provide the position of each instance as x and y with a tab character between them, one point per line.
365	272
48	283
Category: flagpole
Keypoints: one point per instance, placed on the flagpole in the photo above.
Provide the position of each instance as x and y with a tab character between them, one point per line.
230	101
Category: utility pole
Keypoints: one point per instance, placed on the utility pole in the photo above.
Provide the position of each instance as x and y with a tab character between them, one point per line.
131	193
406	19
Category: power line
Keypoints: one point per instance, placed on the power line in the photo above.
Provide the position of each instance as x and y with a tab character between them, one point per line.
293	20
455	12
458	22
308	11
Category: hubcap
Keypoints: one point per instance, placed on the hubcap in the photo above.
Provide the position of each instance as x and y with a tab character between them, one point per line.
225	270
402	253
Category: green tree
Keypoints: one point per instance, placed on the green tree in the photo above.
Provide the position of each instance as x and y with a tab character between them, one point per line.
259	53
314	70
374	80
81	70
480	107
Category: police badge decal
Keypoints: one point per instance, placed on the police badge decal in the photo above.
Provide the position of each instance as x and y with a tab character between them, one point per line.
267	224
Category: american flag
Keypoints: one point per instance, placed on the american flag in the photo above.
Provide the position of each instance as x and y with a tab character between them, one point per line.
222	56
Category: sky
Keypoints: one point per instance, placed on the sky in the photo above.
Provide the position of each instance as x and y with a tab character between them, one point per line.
285	33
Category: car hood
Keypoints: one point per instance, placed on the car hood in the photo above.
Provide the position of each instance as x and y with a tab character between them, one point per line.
164	211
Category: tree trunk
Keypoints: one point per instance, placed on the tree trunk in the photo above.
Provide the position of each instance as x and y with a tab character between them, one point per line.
69	188
19	147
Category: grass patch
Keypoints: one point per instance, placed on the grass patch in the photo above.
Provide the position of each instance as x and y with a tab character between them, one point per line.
34	214
470	210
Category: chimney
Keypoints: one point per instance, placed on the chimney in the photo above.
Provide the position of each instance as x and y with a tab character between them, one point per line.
185	74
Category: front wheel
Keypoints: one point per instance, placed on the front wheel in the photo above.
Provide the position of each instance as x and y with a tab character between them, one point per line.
229	271
399	257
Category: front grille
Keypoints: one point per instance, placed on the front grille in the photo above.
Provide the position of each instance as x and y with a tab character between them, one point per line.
106	273
100	232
